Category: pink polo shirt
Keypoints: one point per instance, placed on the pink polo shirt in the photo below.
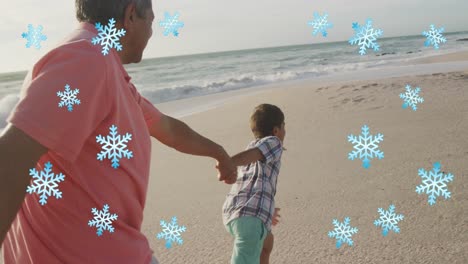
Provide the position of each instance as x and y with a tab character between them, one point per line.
58	231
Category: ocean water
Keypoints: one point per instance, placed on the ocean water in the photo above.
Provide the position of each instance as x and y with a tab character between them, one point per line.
172	78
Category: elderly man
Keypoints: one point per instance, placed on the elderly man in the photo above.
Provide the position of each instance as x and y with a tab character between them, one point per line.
44	139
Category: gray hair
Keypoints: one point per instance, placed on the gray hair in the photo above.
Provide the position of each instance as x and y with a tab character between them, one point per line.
93	11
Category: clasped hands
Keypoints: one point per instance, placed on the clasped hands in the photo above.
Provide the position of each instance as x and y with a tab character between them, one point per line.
227	170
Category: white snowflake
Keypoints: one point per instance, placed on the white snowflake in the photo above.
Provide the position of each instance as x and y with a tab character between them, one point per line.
108	36
102	220
171	232
45	184
434	37
366	37
411	97
388	220
114	147
434	183
320	24
68	98
342	232
366	146
34	36
171	24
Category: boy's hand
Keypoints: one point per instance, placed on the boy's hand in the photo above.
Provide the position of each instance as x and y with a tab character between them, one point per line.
276	217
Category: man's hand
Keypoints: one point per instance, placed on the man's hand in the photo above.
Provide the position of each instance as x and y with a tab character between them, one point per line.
227	170
276	217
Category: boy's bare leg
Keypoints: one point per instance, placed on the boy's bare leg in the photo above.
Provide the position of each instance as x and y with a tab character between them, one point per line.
267	248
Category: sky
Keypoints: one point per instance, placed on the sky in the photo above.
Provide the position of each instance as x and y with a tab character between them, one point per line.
221	25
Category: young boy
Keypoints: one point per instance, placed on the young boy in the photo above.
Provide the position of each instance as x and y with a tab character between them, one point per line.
249	209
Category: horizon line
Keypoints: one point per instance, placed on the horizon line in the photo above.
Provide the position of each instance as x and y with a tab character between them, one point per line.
247	49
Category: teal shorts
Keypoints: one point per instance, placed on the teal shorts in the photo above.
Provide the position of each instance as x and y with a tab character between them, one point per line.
249	233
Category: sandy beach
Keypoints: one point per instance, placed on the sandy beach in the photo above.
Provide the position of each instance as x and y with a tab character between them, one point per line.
456	56
318	183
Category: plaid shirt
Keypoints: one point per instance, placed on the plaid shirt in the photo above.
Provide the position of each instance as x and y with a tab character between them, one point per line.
253	194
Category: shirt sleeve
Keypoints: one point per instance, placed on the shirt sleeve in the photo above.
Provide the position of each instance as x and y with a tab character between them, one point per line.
271	149
150	112
63	100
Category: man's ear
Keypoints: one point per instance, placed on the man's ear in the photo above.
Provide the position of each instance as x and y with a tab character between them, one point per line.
129	16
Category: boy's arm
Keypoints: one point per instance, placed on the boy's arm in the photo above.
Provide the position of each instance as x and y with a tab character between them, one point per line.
276	217
247	157
18	153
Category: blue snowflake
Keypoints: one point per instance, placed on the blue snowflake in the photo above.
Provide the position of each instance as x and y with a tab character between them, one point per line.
171	24
434	37
411	97
366	146
34	36
365	36
171	232
342	232
68	98
108	36
320	24
388	220
114	147
102	220
434	183
45	184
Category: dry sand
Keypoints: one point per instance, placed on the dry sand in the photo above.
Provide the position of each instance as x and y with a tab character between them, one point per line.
317	182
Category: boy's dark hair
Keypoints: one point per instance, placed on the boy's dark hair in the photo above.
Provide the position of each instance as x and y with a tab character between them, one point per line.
93	11
264	119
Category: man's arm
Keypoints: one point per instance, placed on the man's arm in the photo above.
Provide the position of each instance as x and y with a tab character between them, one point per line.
18	154
177	135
